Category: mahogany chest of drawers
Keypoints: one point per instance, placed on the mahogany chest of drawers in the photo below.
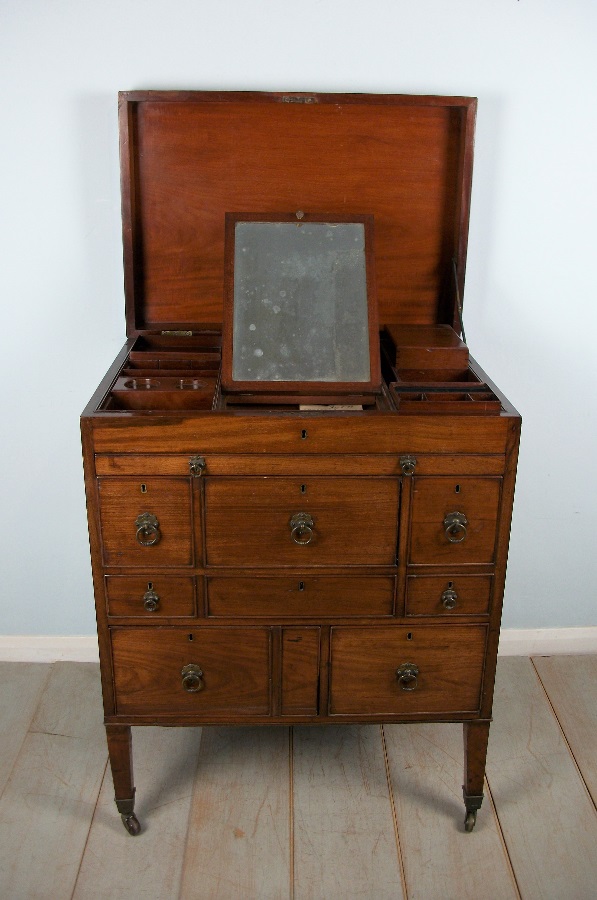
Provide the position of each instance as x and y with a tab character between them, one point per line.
260	562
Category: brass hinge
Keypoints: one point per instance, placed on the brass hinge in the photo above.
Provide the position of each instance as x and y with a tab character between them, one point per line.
178	333
291	98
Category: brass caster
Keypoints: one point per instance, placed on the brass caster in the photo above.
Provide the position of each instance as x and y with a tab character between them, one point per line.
131	823
471	818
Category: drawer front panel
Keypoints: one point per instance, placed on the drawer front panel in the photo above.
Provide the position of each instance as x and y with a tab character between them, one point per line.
248	521
235	663
124	500
297	595
472	504
442	595
365	663
150	597
300	671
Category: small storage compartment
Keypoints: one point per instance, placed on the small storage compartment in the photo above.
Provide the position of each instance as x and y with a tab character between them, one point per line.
165	671
301	521
454	520
443	595
310	596
146	522
150	597
399	671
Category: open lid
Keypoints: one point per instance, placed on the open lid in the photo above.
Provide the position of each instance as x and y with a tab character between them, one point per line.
188	158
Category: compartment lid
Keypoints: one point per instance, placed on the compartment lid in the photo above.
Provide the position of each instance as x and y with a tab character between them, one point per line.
188	158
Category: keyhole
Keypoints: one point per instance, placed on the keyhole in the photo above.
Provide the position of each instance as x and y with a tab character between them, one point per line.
450	584
303	488
301	585
143	488
304	434
190	637
409	636
150	585
457	489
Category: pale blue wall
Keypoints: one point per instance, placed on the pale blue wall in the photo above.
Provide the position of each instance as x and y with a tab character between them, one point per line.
530	298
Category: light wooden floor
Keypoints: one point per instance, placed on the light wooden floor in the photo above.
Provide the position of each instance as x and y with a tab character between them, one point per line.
337	812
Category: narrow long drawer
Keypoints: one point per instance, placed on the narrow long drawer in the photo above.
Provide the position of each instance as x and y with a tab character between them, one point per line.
398	671
150	597
310	596
256	521
234	664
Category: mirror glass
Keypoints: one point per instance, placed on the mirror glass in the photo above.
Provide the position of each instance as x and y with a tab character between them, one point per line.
300	302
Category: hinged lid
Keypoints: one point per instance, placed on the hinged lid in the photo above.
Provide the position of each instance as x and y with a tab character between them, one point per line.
188	158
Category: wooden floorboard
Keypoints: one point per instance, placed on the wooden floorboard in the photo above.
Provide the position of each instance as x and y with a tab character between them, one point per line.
441	861
233	813
238	842
149	865
571	684
21	686
344	842
546	815
48	803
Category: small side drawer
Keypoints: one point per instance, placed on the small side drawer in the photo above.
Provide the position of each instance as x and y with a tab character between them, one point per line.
442	595
307	596
235	666
166	539
370	669
454	520
150	597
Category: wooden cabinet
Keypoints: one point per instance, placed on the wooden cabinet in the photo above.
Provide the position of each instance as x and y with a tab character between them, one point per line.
261	559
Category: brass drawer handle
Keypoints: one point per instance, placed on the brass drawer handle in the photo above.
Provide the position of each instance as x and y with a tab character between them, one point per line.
151	601
455	525
192	679
147	527
408	464
407	675
301	529
449	598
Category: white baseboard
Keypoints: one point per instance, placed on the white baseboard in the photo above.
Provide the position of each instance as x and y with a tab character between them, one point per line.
513	642
48	648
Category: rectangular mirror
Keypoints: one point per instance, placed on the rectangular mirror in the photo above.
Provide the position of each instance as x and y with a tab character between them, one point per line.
300	311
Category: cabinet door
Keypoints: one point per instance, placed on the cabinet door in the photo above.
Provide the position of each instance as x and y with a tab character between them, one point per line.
454	520
300	671
257	521
166	538
401	671
230	674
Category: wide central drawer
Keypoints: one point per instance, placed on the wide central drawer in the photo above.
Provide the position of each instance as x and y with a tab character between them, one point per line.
311	521
394	670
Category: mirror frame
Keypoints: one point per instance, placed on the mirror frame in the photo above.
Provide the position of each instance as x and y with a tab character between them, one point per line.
303	389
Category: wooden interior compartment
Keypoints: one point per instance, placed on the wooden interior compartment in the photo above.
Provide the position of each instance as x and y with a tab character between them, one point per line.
235	663
248	521
123	499
364	664
438	379
426	347
126	595
307	596
434	498
425	595
429	402
142	391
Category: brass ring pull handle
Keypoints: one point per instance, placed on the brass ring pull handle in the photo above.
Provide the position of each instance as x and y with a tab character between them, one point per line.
151	601
455	526
407	675
148	530
301	529
449	598
192	679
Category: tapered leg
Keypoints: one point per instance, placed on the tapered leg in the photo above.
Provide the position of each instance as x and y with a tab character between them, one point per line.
120	750
476	736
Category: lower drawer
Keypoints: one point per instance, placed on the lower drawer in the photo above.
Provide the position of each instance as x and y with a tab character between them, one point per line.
385	670
234	664
295	595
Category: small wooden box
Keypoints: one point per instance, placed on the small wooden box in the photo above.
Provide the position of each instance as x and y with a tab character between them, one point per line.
256	561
